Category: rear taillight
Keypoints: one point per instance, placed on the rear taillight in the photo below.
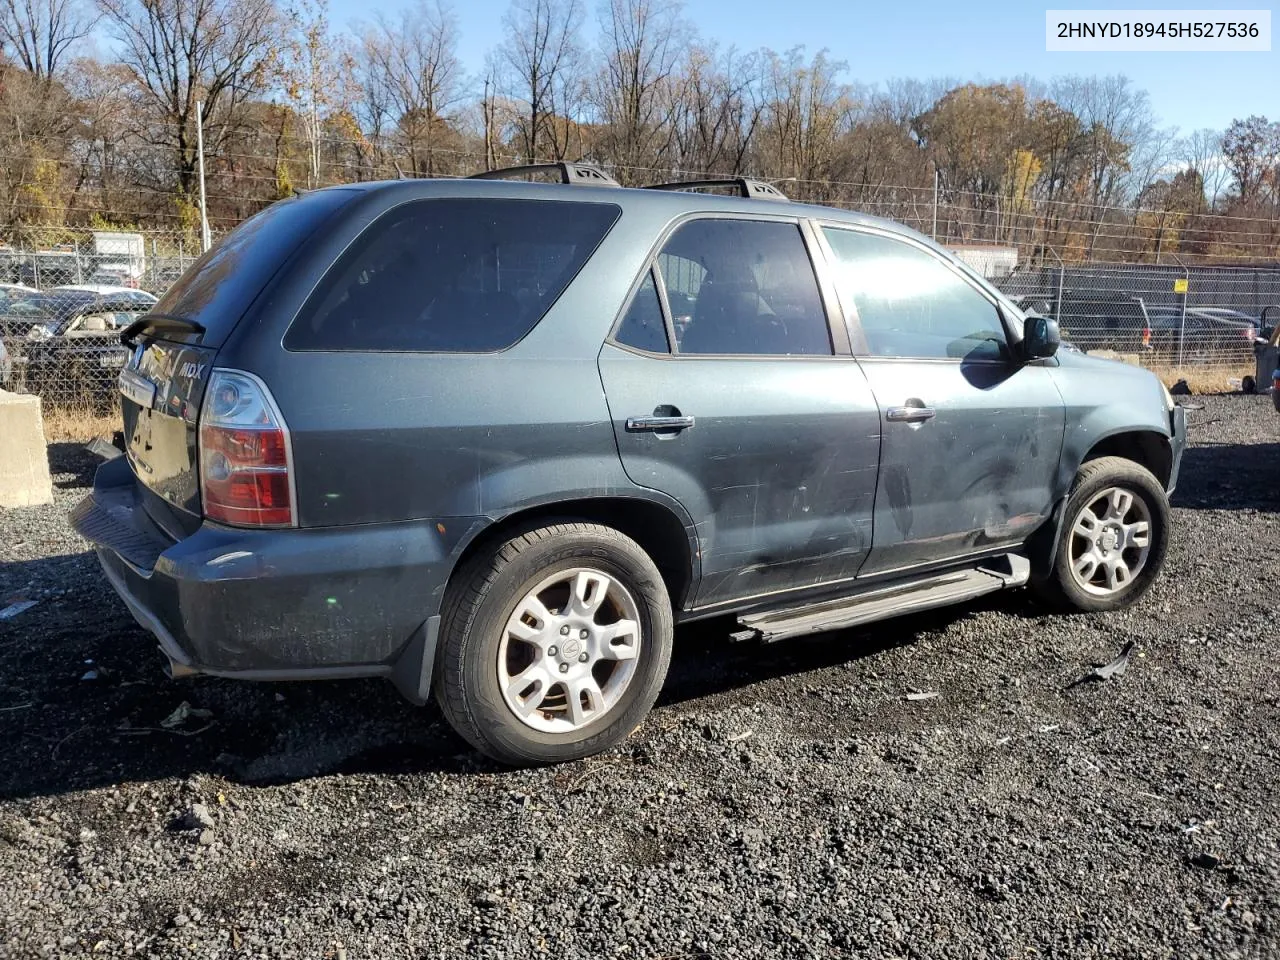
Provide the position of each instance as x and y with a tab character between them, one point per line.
245	458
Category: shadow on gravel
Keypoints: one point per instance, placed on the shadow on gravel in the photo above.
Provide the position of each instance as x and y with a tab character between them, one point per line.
84	700
74	460
1230	476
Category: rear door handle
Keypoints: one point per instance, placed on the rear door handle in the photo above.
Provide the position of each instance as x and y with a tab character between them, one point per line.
658	424
912	414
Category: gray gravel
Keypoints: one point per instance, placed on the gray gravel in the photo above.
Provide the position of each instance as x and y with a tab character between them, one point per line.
792	801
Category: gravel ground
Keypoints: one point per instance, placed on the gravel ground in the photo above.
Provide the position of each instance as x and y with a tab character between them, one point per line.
780	802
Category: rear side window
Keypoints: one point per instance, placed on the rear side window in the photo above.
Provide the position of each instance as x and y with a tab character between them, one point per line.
743	287
451	276
219	287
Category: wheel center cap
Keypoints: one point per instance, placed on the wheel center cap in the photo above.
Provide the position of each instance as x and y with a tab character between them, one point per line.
570	649
1110	539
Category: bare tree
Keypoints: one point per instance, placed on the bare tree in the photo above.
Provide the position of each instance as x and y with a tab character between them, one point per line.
541	72
180	52
635	93
40	34
410	66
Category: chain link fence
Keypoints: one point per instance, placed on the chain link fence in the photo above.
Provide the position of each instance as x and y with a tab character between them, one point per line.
66	296
1169	317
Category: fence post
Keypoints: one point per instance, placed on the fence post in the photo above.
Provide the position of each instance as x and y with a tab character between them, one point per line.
935	205
1182	318
1062	276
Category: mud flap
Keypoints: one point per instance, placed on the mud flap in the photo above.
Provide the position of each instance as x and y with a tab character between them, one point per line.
412	671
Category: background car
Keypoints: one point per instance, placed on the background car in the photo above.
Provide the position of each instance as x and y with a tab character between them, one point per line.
66	341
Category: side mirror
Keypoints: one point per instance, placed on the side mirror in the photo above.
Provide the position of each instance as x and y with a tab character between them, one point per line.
1040	337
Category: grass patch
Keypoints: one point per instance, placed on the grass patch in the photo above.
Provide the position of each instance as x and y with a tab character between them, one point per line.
78	424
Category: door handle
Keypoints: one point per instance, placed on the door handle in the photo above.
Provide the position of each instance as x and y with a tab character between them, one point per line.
911	414
657	424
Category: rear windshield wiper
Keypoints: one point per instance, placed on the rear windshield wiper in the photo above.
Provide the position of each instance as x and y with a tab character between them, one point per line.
159	323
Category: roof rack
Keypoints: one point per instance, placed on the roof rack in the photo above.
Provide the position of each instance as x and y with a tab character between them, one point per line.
754	189
574	174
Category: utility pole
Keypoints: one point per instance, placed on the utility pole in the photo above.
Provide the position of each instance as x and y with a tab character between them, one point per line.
205	242
487	110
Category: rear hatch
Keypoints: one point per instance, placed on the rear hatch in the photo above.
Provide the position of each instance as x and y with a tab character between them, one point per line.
173	349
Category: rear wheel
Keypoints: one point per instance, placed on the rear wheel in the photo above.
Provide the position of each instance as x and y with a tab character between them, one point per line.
1115	533
554	645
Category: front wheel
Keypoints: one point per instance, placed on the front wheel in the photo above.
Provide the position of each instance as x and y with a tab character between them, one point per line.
553	645
1115	533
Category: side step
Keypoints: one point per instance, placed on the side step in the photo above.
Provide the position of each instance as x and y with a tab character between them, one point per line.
936	590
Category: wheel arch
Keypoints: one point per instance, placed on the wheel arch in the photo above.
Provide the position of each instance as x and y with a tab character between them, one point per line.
664	534
1147	448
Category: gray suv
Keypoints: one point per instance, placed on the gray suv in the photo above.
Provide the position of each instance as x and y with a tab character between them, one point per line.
492	439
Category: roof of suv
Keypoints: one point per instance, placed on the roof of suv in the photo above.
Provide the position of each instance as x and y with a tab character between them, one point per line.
675	201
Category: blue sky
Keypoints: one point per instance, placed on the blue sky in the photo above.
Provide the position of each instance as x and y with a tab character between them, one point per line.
965	39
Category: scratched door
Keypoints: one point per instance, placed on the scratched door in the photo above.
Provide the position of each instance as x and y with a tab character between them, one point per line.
971	433
727	393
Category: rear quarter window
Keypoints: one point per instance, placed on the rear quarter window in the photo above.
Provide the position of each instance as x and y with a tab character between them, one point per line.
451	275
219	287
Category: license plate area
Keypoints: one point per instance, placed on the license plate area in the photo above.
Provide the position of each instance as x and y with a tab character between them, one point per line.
137	388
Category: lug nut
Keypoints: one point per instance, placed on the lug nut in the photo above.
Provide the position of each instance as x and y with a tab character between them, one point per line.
583	635
564	668
564	631
583	658
552	651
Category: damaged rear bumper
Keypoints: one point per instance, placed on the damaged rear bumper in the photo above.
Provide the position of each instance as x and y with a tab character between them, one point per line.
293	604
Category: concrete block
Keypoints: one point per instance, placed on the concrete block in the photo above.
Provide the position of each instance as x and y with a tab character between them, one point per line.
24	461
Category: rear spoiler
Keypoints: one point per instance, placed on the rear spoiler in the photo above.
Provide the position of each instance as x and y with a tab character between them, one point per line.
159	323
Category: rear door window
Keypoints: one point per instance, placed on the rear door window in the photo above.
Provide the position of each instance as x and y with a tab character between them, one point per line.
451	275
743	287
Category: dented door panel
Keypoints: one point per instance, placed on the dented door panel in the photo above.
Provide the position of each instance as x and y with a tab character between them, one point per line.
778	470
980	473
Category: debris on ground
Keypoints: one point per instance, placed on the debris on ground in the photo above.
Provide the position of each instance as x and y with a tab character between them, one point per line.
182	714
102	450
13	609
1110	671
931	695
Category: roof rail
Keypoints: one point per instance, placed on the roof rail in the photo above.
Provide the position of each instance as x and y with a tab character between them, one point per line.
754	189
575	174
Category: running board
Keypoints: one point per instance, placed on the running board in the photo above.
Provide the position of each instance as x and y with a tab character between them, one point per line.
936	590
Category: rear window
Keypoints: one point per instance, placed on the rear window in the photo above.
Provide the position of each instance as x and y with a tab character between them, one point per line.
451	275
219	287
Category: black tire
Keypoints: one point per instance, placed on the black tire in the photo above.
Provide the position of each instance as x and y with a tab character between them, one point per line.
1095	476
482	598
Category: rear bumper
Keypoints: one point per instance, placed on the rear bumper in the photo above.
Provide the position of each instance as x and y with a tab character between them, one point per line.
1177	443
277	604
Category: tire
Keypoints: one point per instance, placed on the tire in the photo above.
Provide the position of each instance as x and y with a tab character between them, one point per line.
485	630
1100	589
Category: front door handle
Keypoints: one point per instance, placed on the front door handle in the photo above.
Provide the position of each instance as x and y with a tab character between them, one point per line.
910	414
658	424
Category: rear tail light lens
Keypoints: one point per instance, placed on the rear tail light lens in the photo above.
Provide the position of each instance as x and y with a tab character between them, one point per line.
245	460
